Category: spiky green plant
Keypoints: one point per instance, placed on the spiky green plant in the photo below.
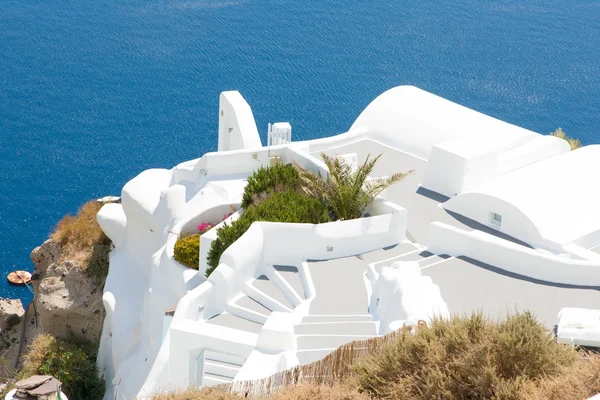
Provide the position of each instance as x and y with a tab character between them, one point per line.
347	194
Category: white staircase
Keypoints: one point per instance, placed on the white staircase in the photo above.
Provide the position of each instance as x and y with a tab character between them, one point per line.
220	368
319	335
281	291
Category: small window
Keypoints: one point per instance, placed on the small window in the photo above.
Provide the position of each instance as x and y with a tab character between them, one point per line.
496	219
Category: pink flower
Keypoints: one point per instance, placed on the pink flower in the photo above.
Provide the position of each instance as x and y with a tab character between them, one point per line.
226	216
204	226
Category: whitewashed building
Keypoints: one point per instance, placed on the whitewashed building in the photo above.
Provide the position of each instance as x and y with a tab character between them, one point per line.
495	217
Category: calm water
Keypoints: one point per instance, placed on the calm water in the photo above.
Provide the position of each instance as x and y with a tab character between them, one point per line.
94	92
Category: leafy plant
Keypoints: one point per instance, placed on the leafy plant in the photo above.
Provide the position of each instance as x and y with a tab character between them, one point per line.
99	262
70	361
274	178
574	143
187	250
278	207
347	194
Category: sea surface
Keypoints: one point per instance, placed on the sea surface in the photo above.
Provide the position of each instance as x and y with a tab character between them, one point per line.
94	92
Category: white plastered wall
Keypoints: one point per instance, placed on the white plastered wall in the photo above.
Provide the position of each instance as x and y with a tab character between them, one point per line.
464	164
449	173
479	207
511	257
237	127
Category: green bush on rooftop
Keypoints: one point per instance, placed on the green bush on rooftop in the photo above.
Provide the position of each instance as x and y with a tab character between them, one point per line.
274	178
289	206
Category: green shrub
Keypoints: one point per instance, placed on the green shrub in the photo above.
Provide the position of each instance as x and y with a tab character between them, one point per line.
71	361
187	251
347	193
274	178
99	261
278	207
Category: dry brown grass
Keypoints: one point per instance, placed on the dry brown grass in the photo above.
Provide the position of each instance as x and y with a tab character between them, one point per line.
194	394
461	358
35	353
82	239
574	143
309	391
579	381
305	391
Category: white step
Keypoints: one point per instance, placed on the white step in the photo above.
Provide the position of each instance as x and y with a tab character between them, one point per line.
285	287
224	357
336	328
222	369
262	298
246	313
312	342
251	304
212	380
338	318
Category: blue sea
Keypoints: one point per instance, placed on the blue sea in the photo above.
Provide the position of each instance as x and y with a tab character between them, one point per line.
94	92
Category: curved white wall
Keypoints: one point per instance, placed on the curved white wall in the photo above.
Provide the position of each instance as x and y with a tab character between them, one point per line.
479	206
237	128
511	257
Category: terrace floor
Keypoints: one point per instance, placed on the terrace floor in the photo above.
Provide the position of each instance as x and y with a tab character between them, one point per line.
466	285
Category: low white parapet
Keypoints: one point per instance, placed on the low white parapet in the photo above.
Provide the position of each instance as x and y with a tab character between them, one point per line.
511	257
277	334
401	295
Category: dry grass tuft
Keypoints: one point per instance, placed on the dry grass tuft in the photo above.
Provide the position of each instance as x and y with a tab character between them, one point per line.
574	143
36	352
83	240
464	358
291	392
313	391
579	381
194	394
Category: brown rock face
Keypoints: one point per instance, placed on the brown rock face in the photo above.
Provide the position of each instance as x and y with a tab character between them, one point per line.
11	320
67	300
10	311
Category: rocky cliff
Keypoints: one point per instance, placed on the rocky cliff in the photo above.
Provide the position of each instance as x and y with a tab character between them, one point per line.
67	299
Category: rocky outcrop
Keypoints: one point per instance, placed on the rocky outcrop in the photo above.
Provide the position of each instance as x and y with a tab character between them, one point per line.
11	320
68	300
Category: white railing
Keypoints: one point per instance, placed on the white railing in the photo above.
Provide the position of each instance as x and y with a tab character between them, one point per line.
279	133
